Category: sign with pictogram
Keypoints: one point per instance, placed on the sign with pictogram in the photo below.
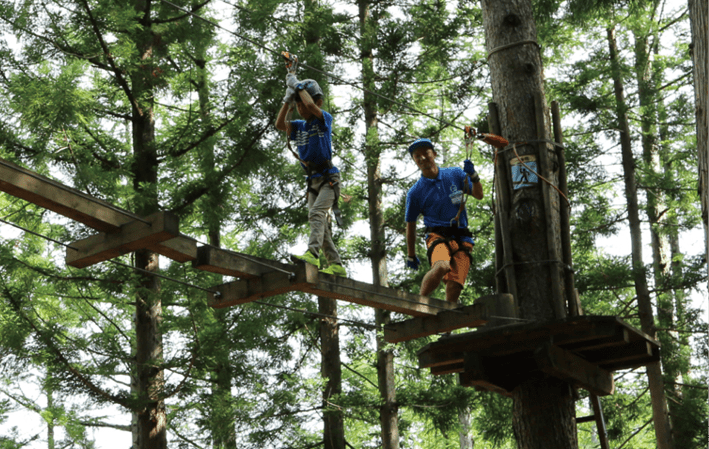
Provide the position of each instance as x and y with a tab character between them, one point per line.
524	170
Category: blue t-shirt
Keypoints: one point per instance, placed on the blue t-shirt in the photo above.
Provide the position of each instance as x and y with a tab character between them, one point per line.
313	139
439	199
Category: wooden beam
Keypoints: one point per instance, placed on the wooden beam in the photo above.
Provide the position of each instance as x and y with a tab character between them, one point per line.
64	200
475	375
133	236
566	366
180	249
282	278
229	263
269	284
445	321
349	290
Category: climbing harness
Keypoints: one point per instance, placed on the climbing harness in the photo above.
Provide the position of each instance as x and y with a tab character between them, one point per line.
456	233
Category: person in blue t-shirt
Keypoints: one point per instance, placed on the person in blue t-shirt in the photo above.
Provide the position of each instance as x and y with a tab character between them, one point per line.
313	139
438	196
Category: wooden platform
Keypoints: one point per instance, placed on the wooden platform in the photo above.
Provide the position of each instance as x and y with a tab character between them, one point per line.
583	350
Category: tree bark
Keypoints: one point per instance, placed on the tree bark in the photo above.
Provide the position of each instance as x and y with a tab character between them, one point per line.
150	417
544	414
663	429
331	370
699	20
385	358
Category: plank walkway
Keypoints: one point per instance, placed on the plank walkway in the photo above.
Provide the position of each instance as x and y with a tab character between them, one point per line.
121	231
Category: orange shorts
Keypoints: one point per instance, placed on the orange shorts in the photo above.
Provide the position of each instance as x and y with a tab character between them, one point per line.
460	262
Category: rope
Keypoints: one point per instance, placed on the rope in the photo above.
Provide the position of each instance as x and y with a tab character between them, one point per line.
61	186
334	77
568	203
514	44
501	145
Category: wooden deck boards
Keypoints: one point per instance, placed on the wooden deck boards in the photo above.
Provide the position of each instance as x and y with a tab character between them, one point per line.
579	349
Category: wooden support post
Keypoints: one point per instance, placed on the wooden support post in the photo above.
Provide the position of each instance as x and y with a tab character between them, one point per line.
133	236
566	366
600	422
564	212
55	196
503	202
445	321
546	171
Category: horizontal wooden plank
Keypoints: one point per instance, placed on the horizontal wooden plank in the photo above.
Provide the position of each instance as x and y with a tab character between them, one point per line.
269	284
307	278
64	200
445	321
180	249
133	236
447	369
566	366
230	263
349	290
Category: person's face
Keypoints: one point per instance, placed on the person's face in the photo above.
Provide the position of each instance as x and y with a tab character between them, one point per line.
424	159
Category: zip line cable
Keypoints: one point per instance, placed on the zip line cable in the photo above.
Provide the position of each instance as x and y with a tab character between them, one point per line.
187	284
300	64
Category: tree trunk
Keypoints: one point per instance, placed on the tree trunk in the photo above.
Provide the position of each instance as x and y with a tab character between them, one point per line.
330	365
544	413
221	420
331	369
385	358
663	430
465	435
150	418
699	21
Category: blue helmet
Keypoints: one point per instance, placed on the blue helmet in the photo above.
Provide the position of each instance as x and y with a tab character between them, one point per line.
420	143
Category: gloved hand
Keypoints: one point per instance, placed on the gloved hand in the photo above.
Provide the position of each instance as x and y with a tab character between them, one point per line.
413	263
302	86
290	96
468	167
469	170
292	81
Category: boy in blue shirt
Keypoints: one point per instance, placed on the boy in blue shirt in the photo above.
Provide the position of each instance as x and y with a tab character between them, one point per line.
438	195
313	139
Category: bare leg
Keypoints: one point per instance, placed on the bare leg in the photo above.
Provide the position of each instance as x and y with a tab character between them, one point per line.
433	278
453	290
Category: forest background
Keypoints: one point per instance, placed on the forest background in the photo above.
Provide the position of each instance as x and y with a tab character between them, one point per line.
149	108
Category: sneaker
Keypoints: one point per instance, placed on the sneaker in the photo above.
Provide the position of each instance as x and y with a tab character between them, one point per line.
309	258
336	270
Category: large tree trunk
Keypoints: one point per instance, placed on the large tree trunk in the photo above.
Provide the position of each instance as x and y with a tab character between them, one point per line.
330	365
331	369
699	21
663	430
221	418
150	418
544	412
385	358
